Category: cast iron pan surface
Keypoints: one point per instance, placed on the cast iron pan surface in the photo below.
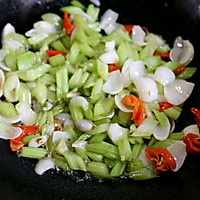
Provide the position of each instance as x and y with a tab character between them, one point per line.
169	18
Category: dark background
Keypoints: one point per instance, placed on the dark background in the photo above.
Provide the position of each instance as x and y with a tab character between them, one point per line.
169	18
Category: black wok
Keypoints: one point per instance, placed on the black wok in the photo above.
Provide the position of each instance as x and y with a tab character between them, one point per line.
169	18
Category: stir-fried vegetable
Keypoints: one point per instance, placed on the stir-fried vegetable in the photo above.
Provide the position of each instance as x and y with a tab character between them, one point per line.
79	92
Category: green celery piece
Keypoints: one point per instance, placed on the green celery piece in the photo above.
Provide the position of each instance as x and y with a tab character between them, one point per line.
73	81
98	138
124	148
124	118
57	60
163	144
66	41
58	46
86	49
76	113
126	50
93	11
17	37
34	72
38	38
98	129
54	19
106	149
172	65
78	4
172	113
24	93
62	86
118	169
33	152
71	9
119	36
187	73
11	60
61	147
27	138
40	92
176	136
98	169
91	80
145	52
94	156
47	79
136	150
134	165
75	161
104	106
152	62
7	109
102	70
163	48
144	173
25	60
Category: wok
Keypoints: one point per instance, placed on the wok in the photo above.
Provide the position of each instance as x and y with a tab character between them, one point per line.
169	18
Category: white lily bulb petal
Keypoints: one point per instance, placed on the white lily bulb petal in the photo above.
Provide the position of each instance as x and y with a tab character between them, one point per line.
43	165
147	126
164	75
79	101
114	84
138	36
8	28
46	26
191	129
59	135
11	87
143	158
9	133
178	151
3	53
178	91
4	67
126	72
111	27
27	115
108	17
146	88
38	141
12	44
96	2
66	119
80	144
115	132
120	105
84	125
137	69
109	46
110	57
2	80
162	132
10	120
161	98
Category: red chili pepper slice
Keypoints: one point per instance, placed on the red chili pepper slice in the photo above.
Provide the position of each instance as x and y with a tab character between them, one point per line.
163	158
67	25
129	28
113	67
164	106
54	52
162	55
138	108
179	70
192	143
16	144
196	112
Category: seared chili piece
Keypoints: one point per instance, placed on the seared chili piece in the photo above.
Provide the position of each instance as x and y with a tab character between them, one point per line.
196	112
113	67
16	144
179	70
164	56
163	158
129	28
192	143
54	52
164	106
67	25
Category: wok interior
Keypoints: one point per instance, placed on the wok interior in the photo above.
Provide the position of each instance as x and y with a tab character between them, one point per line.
169	18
